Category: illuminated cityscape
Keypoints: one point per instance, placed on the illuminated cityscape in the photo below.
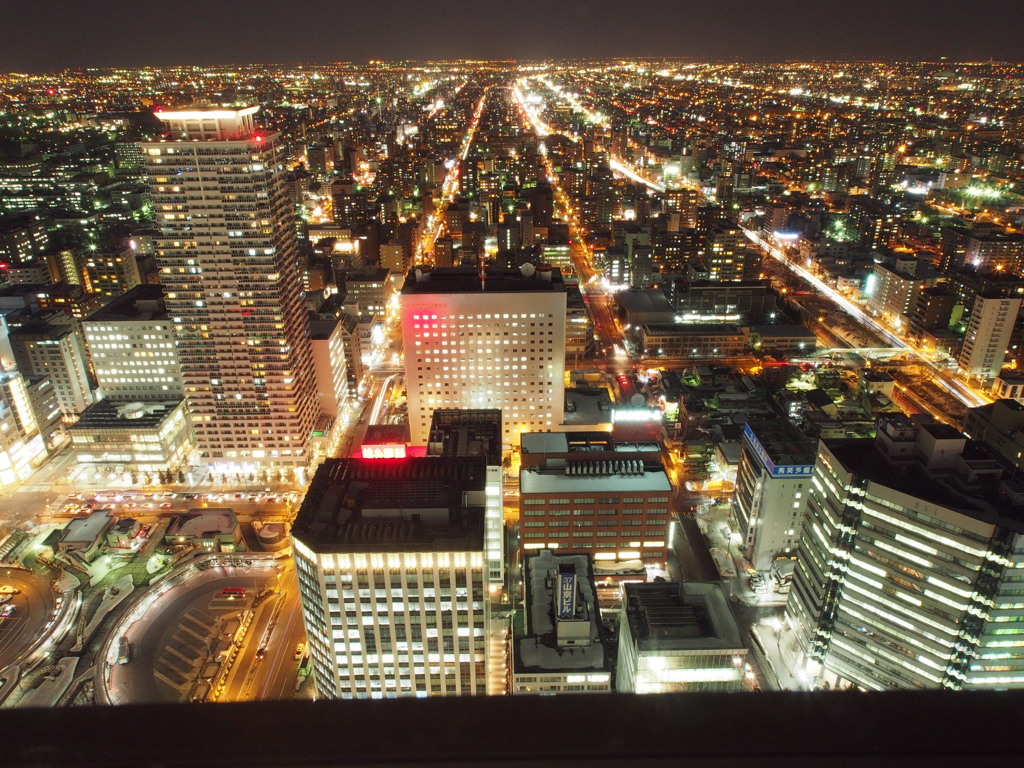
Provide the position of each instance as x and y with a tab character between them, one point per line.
511	378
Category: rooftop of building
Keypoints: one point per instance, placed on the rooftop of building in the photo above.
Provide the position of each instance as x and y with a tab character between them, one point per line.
203	523
612	475
785	444
366	275
142	303
321	328
587	405
87	529
427	280
875	376
109	414
536	649
693	329
681	616
783	331
415	504
981	501
463	432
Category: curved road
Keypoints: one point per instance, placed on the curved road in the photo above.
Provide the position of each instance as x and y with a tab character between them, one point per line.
33	608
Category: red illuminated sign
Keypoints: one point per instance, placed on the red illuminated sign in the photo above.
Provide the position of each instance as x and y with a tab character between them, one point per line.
384	451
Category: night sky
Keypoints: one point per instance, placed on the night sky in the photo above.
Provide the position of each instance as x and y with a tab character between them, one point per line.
43	35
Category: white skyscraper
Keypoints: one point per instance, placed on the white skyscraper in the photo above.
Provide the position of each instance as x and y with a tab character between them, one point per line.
227	258
988	336
491	340
393	577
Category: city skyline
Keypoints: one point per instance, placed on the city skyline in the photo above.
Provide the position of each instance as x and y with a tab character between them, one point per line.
52	36
493	378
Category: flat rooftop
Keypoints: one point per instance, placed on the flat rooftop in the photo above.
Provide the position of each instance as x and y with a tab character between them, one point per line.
415	504
859	457
467	280
108	414
602	478
537	649
466	432
692	615
785	444
141	303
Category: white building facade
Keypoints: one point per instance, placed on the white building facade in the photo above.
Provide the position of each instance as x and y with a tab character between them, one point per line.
393	585
988	336
498	343
902	581
227	258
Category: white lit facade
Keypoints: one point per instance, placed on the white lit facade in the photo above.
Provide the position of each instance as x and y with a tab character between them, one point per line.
897	589
393	578
393	624
484	349
330	366
988	336
134	358
228	264
771	487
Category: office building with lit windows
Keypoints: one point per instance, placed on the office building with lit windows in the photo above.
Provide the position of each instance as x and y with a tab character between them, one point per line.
55	351
393	577
131	344
464	433
490	339
228	264
776	462
583	492
137	437
910	571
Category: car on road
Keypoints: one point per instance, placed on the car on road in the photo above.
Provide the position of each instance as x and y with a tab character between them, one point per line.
7	589
261	654
298	650
7	610
5	599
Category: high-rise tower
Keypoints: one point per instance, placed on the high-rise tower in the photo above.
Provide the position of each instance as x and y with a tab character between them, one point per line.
227	259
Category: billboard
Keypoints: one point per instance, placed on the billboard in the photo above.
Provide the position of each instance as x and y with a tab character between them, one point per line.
566	595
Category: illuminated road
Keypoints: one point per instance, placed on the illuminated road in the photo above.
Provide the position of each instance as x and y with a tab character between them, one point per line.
961	391
435	223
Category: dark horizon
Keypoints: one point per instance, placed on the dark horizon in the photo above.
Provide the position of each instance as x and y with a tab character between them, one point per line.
51	36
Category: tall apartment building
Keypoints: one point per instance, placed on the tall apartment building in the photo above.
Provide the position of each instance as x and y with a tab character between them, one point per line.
27	420
490	339
227	258
774	472
988	335
111	273
131	343
393	577
892	290
581	492
329	362
55	351
911	564
684	201
727	255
